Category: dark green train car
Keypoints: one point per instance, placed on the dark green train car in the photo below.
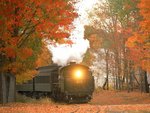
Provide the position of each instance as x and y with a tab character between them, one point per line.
72	83
40	85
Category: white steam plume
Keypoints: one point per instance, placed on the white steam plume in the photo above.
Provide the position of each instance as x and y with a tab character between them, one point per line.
63	54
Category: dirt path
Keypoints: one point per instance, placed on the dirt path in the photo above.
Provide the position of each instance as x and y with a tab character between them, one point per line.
119	97
102	102
80	108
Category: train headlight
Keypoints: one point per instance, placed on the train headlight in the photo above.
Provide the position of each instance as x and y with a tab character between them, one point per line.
78	74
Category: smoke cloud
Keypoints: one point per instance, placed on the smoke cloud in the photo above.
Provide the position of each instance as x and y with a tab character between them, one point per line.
63	54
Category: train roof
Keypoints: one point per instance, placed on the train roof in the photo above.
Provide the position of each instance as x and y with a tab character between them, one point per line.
44	70
48	66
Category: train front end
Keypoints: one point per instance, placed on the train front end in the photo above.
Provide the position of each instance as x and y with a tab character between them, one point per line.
78	83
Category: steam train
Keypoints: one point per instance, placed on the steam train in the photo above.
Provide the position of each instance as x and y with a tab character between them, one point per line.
71	83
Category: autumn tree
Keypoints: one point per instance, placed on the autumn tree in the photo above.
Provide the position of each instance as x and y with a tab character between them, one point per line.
139	43
98	49
24	26
95	42
24	20
117	18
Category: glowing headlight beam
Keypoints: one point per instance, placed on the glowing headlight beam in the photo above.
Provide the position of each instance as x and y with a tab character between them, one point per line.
78	74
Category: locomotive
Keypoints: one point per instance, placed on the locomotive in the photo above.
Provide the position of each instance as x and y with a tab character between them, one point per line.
71	83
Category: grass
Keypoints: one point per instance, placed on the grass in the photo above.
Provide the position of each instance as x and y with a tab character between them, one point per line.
24	99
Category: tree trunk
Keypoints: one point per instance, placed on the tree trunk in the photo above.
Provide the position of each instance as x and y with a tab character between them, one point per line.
106	84
11	88
118	69
117	83
146	86
3	91
7	88
144	82
127	78
107	70
131	81
0	88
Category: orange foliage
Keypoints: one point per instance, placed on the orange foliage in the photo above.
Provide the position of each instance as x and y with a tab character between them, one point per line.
10	52
24	53
140	41
65	41
13	67
69	42
21	20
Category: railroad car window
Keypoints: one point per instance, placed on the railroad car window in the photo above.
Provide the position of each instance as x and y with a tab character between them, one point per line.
42	79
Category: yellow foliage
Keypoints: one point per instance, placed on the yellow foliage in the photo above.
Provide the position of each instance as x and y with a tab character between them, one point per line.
44	58
24	76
